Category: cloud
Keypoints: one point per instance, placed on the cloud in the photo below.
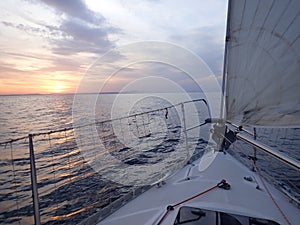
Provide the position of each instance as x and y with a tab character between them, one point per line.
88	34
208	43
71	37
37	30
61	38
8	69
79	29
81	38
145	72
76	9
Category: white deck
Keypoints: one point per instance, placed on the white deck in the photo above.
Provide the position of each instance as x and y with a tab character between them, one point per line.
243	198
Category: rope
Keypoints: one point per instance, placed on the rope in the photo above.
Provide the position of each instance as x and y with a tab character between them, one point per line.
223	184
196	196
270	195
263	183
164	216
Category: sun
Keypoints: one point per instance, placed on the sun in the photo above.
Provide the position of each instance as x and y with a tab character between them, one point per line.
59	87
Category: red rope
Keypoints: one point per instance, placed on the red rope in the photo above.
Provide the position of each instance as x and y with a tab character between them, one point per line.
196	196
271	196
263	183
171	207
164	216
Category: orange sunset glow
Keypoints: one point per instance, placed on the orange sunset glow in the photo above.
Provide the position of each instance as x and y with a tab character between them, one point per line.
58	88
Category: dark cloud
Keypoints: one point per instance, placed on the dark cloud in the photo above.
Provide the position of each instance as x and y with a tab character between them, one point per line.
81	38
8	24
71	47
41	30
83	30
71	37
75	9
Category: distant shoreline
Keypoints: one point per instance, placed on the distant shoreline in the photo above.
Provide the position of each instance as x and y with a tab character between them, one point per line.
63	94
93	93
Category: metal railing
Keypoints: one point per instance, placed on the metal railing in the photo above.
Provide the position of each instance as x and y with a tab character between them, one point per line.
251	138
49	176
275	153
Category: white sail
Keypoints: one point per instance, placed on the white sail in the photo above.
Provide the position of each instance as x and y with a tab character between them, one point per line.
263	63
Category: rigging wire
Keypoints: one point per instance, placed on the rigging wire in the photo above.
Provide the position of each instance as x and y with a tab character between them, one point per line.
263	183
68	155
54	174
63	136
14	181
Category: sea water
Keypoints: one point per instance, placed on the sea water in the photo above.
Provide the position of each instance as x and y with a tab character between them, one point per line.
70	186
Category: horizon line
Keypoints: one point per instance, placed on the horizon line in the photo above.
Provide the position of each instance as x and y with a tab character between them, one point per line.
108	92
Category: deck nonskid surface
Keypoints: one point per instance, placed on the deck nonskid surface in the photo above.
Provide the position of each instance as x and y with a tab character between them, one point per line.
243	198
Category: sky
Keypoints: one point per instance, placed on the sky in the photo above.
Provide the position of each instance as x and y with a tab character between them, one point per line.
48	46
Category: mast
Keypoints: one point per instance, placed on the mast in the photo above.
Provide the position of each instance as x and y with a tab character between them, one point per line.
227	39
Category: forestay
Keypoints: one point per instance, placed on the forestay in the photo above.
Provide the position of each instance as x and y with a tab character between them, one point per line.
262	67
